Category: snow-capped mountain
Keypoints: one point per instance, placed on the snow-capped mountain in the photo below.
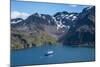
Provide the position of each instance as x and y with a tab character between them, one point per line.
65	20
60	22
83	30
63	27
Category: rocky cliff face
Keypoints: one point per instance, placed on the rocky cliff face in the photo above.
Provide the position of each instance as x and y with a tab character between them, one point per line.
83	30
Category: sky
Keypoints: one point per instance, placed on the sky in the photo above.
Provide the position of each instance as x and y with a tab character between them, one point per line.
26	8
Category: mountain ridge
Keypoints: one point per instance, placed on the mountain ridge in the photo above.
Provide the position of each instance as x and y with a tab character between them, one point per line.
62	27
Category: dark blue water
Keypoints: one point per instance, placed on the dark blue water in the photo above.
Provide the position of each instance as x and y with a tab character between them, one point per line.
62	54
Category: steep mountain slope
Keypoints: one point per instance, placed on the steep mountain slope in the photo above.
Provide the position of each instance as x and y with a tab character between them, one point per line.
36	30
83	30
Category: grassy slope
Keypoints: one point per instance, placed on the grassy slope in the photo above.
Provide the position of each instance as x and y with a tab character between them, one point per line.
22	39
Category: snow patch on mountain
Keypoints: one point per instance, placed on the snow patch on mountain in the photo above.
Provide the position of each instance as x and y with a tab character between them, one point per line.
16	21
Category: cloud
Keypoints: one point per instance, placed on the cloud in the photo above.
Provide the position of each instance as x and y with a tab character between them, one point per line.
16	14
